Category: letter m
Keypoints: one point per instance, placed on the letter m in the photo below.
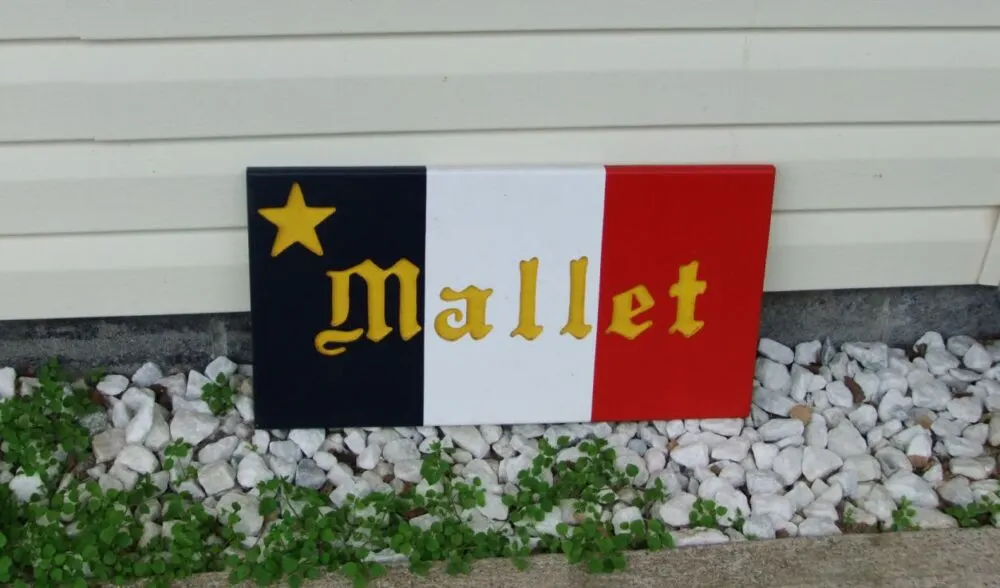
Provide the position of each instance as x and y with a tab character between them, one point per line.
375	278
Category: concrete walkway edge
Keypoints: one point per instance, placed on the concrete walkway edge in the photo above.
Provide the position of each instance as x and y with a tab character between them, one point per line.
964	557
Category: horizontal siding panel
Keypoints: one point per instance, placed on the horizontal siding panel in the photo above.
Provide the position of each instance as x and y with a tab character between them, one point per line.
173	90
133	19
97	187
127	274
39	19
989	275
206	271
864	249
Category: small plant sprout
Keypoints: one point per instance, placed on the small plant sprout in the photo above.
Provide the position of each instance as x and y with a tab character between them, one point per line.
218	395
977	513
705	513
848	516
902	517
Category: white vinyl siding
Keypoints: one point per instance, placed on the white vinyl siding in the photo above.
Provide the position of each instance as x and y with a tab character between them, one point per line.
125	131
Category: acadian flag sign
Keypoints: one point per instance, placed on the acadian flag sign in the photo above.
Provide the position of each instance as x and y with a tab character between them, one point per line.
407	296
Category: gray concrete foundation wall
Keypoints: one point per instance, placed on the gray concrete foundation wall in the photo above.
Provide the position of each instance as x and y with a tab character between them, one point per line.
897	316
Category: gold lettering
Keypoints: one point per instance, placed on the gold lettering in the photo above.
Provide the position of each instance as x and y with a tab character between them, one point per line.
623	312
375	277
325	338
575	325
475	323
526	325
686	289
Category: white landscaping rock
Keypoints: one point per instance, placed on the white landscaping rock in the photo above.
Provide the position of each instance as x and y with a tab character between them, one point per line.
159	434
800	495
218	451
624	516
759	483
978	433
775	351
491	433
968	408
872	356
140	425
817	434
879	502
250	520
8	378
865	467
108	444
196	382
778	429
864	418
871	384
724	427
735	449
656	460
282	468
759	527
355	440
772	375
845	440
788	465
400	450
369	457
308	440
818	526
931	518
676	511
252	471
138	459
216	477
774	505
220	365
192	427
772	402
735	503
287	450
919	446
961	447
911	486
148	374
686	537
801	378
112	385
764	454
244	406
940	361
956	491
839	395
893	406
930	393
974	468
469	439
977	358
994	438
691	456
807	352
309	475
818	463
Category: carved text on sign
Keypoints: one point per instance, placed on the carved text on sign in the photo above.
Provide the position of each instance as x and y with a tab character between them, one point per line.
628	306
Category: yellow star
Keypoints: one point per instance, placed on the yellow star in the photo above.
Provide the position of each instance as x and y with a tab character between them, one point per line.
296	223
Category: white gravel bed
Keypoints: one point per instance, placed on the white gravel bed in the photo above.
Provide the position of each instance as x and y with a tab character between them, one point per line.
848	439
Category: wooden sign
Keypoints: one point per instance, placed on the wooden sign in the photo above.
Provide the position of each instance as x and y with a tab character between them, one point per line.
408	296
